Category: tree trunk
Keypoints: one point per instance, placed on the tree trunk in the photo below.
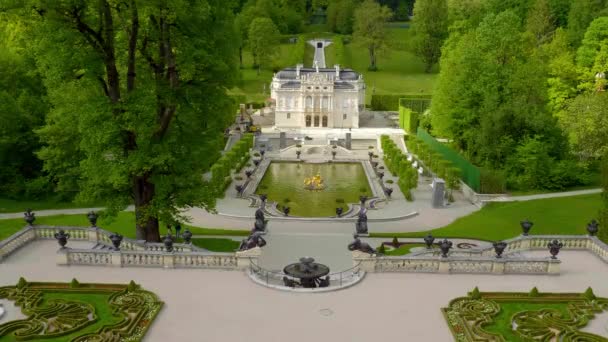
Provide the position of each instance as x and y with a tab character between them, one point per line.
241	56
147	227
372	59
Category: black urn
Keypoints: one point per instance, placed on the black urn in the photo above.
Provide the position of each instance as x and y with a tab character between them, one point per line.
526	225
374	164
248	173
256	162
339	211
363	199
445	246
92	217
593	227
388	192
554	247
499	248
262	153
239	189
116	240
168	241
370	154
286	211
62	238
263	198
298	152
380	175
29	216
428	240
187	235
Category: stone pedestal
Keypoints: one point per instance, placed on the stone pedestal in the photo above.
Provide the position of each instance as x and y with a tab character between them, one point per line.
168	261
282	140
116	259
438	193
498	267
444	266
62	257
554	267
348	142
244	258
93	234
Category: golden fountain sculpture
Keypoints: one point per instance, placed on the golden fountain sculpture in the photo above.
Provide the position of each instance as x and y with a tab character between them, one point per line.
314	182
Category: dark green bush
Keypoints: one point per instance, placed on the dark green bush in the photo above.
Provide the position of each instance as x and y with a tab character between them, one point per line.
492	182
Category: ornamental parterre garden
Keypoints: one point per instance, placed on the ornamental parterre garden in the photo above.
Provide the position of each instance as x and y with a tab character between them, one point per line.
335	170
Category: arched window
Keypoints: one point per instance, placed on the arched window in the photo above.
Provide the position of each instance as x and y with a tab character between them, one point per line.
316	121
324	120
309	102
308	120
325	102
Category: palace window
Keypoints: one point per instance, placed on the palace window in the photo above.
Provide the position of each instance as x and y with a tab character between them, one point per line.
288	115
344	116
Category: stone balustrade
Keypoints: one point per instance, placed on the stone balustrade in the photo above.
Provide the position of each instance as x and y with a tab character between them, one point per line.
92	234
146	258
455	264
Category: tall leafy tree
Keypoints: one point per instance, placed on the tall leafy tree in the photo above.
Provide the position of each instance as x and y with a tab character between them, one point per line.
263	41
430	29
582	13
340	16
370	29
586	124
138	90
540	22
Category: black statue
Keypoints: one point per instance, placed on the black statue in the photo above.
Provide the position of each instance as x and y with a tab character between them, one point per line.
388	192
178	228
554	247
290	282
298	152
359	245
445	246
323	282
62	238
248	173
29	216
361	225
168	241
239	189
286	211
116	240
339	211
92	216
499	248
254	240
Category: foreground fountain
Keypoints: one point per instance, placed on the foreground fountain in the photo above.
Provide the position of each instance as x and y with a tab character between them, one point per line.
308	272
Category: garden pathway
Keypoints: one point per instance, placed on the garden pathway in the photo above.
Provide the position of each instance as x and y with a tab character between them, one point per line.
319	57
386	306
546	195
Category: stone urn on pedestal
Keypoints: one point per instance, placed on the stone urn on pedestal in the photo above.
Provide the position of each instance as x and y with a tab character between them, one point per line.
499	248
92	217
187	235
593	228
526	225
116	240
388	192
29	216
428	240
168	242
445	246
339	211
298	152
62	238
554	247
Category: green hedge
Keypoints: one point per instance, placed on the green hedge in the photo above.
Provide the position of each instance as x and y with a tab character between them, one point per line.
338	42
398	165
391	101
470	173
408	119
235	159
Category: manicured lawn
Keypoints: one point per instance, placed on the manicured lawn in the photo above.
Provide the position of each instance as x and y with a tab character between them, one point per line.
217	244
124	224
403	250
502	323
15	206
499	221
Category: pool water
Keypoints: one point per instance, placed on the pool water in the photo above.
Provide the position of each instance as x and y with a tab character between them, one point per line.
283	182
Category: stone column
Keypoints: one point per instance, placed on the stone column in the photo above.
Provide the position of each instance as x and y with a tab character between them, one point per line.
438	193
348	143
168	260
244	258
444	266
554	267
282	140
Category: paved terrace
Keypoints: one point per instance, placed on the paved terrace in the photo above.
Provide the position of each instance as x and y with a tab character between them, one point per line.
208	305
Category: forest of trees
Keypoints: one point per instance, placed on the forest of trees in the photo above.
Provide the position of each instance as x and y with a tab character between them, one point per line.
122	102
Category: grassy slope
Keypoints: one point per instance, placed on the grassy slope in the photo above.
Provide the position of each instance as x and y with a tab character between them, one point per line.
217	245
499	221
123	224
15	206
400	71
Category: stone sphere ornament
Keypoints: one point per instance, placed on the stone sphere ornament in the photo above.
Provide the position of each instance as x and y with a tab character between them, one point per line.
29	216
526	225
554	247
499	248
593	227
92	217
62	238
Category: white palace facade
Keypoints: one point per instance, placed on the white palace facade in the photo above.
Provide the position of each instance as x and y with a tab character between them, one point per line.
317	97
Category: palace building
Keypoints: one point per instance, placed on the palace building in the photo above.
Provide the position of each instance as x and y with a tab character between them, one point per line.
317	97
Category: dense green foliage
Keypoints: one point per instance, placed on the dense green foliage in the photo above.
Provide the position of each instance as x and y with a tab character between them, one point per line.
263	40
430	29
235	159
399	166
